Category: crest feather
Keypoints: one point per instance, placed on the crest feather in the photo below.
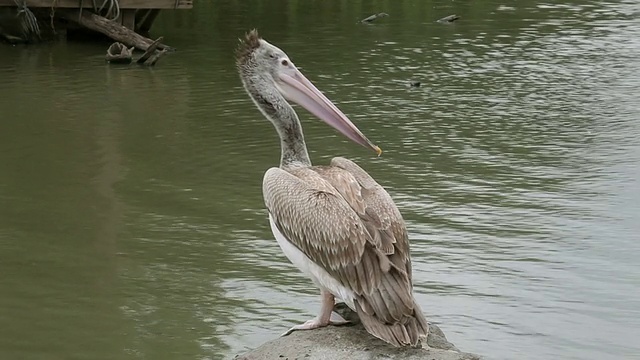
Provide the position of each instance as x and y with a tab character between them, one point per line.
250	43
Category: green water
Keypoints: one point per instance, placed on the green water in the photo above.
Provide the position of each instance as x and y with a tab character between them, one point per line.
131	216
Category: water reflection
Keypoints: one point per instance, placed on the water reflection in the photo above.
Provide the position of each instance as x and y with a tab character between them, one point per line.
133	221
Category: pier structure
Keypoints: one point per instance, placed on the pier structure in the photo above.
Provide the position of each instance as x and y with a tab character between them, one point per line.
125	21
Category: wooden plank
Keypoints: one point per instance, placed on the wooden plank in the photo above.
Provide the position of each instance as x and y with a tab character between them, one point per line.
124	4
154	58
150	50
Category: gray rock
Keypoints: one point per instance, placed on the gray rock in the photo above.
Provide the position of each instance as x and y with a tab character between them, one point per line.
354	343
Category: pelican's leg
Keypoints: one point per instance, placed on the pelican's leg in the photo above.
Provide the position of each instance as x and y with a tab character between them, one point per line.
326	316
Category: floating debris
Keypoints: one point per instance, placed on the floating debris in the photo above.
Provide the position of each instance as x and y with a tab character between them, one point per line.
10	38
374	17
414	83
449	19
151	55
118	53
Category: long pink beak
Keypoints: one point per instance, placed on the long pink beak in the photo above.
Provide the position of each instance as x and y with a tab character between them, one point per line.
299	89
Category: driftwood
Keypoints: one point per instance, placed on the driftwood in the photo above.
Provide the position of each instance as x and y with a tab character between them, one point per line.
155	57
12	39
374	17
150	51
110	28
449	19
119	53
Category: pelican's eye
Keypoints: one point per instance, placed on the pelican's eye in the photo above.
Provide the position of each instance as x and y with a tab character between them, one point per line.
284	62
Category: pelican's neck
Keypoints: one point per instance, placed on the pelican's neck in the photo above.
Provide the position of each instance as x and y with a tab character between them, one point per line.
293	150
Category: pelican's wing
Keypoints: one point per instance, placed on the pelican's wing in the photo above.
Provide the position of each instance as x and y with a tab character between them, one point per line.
382	217
343	223
315	218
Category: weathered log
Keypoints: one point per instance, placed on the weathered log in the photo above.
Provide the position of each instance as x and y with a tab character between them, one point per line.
110	28
150	50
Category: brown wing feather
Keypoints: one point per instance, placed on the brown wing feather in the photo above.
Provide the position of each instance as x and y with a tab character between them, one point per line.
311	213
345	222
382	215
393	299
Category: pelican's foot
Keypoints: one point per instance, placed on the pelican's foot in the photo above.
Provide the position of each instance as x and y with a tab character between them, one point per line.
309	325
315	323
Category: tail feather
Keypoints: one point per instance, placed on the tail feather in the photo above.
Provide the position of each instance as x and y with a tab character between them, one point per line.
406	332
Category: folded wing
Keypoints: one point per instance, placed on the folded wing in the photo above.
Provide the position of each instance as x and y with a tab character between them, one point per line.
346	223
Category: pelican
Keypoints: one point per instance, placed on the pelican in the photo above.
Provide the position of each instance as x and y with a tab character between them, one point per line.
335	223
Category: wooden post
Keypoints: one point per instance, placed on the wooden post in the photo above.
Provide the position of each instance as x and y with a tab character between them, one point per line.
110	28
129	18
146	20
140	15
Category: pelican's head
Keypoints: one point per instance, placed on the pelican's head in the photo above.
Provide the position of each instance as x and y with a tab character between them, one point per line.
267	71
